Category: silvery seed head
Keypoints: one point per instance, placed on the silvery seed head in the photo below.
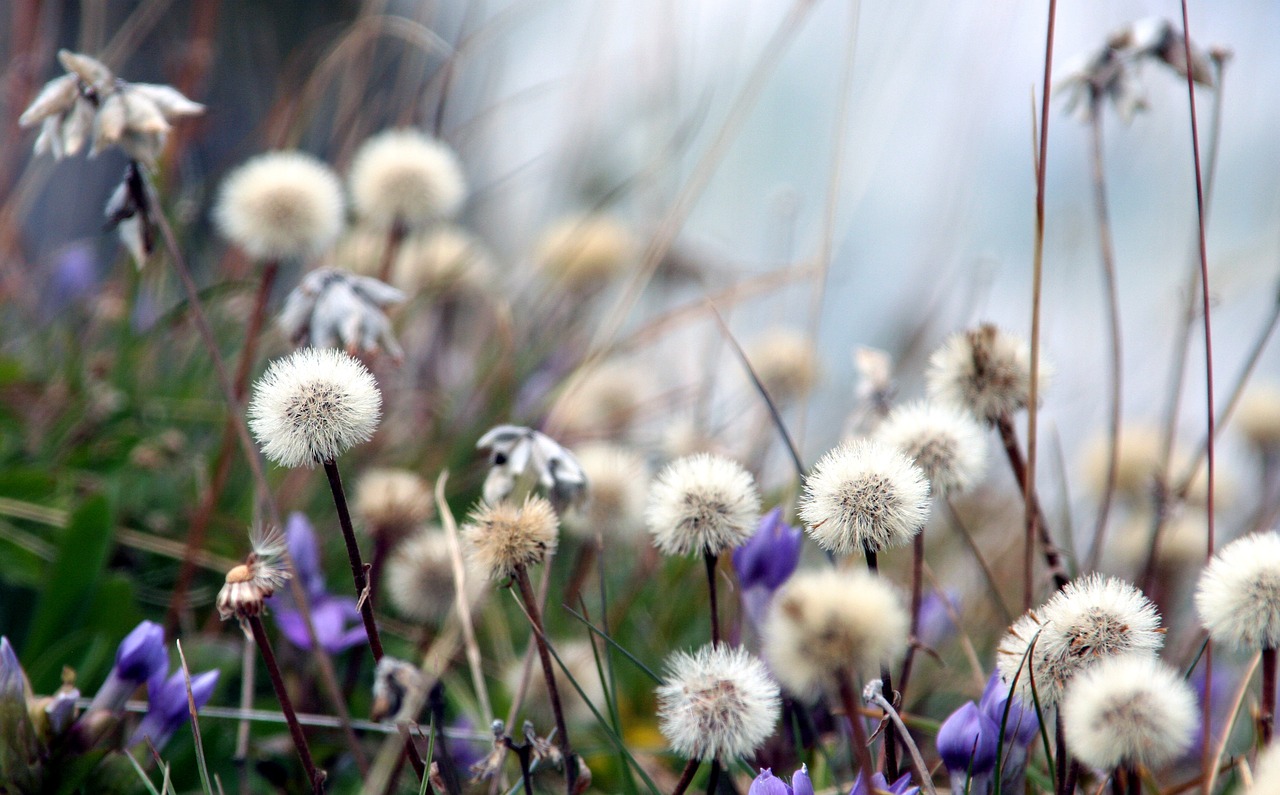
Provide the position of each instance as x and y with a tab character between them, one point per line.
281	205
1238	596
702	504
407	179
718	703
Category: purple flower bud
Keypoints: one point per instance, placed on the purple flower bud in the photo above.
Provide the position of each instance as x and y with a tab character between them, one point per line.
1023	724
879	784
771	555
13	682
968	741
766	784
167	708
800	783
61	709
141	654
305	552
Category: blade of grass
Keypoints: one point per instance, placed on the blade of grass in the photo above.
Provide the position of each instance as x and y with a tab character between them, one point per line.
657	679
195	723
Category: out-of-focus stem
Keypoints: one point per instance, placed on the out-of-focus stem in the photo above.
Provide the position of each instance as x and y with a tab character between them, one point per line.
1037	524
548	672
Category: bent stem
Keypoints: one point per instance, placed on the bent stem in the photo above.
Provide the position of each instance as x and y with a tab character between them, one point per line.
358	574
548	671
315	776
917	598
1036	524
711	559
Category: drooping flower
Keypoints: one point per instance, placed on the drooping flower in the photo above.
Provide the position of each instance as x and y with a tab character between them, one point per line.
335	309
702	504
1129	710
515	451
943	440
968	743
407	179
502	538
1238	596
281	205
167	706
335	618
718	703
864	496
247	586
765	562
312	406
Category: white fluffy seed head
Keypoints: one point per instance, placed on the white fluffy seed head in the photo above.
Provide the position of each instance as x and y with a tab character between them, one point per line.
786	363
281	205
405	177
826	624
420	584
985	371
392	502
503	537
944	441
584	251
444	259
702	503
619	482
864	494
718	703
1129	710
1266	775
312	406
1091	619
1258	417
1238	596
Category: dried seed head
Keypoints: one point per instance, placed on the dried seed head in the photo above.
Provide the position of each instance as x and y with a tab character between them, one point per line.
392	502
702	503
985	371
786	363
864	494
312	406
503	537
1129	710
403	177
281	205
718	703
944	441
600	402
1238	596
248	585
827	624
585	251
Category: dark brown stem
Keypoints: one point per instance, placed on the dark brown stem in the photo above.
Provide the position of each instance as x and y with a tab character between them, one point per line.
686	777
588	552
1135	781
711	559
890	744
1267	711
1037	524
713	780
315	776
917	598
1107	252
858	742
395	237
411	751
222	461
548	671
1062	759
358	575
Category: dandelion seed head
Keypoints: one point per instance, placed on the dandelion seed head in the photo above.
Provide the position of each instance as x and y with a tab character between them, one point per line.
392	502
312	406
420	582
405	177
985	371
864	494
1091	619
786	363
1258	416
582	252
501	538
944	441
717	703
615	501
826	624
281	205
579	660
248	585
1238	595
1131	709
702	503
446	259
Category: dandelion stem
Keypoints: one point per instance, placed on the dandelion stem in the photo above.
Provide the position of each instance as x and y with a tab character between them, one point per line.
358	574
395	237
1267	711
858	741
917	598
686	778
711	559
713	780
890	745
315	776
1061	757
1036	523
548	671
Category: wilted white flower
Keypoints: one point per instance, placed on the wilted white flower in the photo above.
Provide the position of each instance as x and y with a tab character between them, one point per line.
312	406
825	625
864	496
515	450
90	102
1238	596
944	441
1089	620
249	584
503	538
332	308
397	687
984	370
1129	710
718	703
281	205
584	251
702	504
404	178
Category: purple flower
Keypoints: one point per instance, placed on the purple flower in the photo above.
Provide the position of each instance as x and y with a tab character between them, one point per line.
766	784
968	741
766	561
167	708
336	620
800	783
140	656
1023	724
13	682
879	784
466	751
936	609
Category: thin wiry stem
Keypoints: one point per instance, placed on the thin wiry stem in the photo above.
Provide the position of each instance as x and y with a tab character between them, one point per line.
858	742
874	693
890	744
358	573
1030	504
1106	250
711	559
917	599
548	671
1267	709
686	777
315	776
1037	523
